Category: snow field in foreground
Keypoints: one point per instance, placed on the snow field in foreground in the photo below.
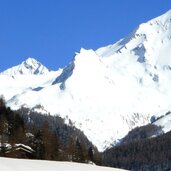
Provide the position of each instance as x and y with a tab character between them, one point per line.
7	164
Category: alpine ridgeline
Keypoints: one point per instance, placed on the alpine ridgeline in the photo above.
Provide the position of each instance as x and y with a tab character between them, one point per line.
106	92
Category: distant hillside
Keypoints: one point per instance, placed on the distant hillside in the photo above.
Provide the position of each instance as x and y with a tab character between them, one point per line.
141	152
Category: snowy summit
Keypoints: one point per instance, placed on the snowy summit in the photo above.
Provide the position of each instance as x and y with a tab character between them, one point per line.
30	66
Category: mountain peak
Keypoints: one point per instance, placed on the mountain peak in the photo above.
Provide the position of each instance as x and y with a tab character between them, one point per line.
31	61
28	67
144	43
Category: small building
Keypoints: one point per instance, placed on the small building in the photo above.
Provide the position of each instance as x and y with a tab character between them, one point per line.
20	151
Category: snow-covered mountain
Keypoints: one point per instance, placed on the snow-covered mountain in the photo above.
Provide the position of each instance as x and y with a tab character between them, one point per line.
30	66
106	92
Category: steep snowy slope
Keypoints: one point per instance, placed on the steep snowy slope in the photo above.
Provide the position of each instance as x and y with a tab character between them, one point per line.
109	91
164	121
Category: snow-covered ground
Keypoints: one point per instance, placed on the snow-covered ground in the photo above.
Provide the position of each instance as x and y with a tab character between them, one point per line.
164	122
106	92
7	164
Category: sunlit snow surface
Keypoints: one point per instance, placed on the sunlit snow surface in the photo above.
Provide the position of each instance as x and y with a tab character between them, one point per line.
106	92
30	66
7	164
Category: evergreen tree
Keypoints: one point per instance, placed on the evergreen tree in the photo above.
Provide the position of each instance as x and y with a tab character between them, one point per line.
79	152
91	154
38	145
50	143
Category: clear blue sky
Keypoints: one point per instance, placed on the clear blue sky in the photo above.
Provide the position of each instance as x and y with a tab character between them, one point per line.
53	30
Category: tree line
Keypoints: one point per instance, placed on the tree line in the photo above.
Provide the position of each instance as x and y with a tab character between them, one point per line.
48	136
141	154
